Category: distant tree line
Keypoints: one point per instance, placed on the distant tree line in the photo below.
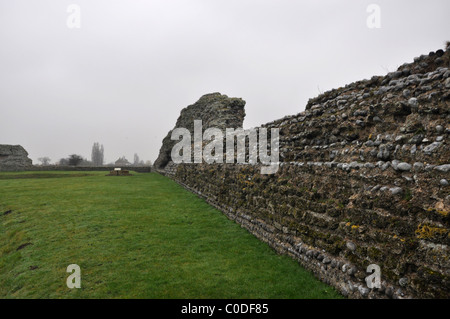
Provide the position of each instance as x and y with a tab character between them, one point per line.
72	160
97	159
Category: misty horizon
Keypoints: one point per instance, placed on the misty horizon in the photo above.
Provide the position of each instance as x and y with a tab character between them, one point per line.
122	78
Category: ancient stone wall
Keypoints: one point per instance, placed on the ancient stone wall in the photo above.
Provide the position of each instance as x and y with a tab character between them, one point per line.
214	109
13	158
363	179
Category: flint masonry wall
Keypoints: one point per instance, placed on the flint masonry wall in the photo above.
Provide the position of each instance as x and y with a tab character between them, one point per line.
363	179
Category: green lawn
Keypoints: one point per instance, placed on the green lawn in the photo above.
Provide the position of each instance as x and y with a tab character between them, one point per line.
141	236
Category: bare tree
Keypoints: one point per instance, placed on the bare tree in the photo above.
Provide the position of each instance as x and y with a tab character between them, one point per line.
44	160
63	162
97	155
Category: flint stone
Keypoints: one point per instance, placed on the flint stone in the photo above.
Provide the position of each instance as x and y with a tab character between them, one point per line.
383	153
377	119
416	139
404	166
394	164
447	83
431	148
418	166
395	190
413	102
374	189
344	268
360	123
443	168
351	246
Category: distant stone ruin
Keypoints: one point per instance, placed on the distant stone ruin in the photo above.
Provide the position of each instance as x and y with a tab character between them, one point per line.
363	180
14	158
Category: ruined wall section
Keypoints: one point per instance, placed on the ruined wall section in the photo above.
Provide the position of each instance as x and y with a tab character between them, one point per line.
13	158
214	109
363	179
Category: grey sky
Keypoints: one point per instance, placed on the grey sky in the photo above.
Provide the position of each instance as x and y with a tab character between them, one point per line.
124	76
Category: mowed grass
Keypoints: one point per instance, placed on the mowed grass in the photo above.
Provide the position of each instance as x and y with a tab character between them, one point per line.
141	236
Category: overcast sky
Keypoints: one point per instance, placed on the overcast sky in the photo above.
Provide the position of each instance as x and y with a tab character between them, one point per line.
122	78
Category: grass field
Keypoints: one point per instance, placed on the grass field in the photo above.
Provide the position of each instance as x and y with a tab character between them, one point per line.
141	236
